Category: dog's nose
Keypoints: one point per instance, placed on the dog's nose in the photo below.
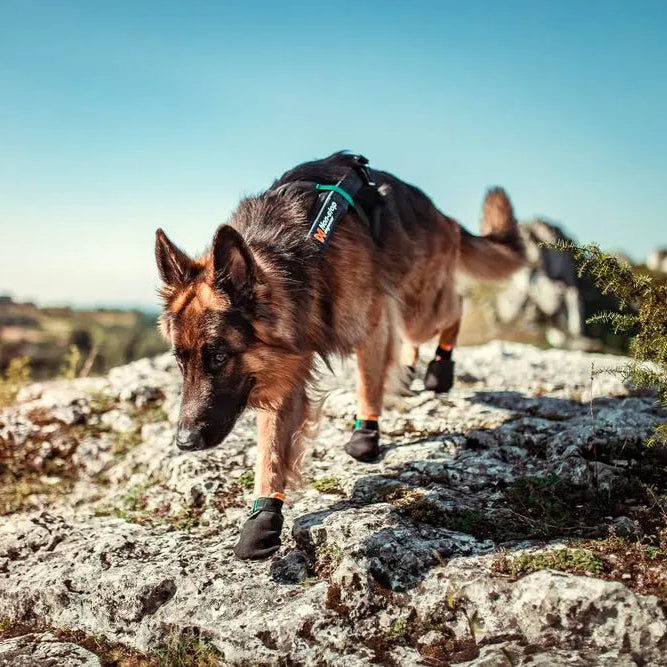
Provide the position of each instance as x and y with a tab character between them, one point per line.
189	440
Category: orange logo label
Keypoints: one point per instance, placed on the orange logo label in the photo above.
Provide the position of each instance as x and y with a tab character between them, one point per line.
319	235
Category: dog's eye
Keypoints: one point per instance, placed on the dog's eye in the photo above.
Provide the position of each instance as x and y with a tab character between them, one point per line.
217	360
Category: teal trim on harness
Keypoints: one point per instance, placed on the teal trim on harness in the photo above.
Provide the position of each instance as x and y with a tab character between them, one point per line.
336	188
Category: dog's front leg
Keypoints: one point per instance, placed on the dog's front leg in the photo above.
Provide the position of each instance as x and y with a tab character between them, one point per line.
279	454
375	356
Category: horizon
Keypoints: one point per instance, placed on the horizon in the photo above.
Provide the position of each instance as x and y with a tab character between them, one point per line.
117	122
128	306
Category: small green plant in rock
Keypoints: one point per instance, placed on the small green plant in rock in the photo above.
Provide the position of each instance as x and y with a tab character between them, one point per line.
135	497
641	565
328	485
576	561
30	491
246	479
310	581
152	413
399	631
131	507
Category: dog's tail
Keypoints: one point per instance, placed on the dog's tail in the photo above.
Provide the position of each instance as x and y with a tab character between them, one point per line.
499	252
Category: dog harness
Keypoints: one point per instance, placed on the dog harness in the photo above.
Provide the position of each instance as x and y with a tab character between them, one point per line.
355	190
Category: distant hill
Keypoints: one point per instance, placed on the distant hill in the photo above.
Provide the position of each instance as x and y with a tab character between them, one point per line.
87	342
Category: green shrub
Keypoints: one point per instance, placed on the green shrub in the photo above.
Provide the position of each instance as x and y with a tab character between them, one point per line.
642	315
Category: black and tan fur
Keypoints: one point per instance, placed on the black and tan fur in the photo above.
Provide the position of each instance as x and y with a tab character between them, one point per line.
248	318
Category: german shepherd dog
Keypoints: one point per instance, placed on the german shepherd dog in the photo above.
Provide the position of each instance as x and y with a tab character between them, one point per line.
248	318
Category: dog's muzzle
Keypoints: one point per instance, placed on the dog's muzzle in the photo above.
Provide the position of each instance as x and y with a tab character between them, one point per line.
190	440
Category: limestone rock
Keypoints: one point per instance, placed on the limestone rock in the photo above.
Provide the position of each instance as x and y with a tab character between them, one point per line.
393	566
657	260
546	300
44	650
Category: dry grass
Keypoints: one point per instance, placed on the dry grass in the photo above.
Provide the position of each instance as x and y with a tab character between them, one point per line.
40	470
641	565
178	650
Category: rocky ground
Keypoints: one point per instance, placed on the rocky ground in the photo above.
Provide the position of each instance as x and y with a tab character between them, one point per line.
515	521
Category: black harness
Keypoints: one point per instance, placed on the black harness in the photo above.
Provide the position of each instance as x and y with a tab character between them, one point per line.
354	191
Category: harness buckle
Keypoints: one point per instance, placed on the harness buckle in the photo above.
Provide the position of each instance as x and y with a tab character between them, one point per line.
355	190
362	168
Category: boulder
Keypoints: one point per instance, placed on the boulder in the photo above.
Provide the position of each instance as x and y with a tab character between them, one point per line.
657	260
44	650
546	301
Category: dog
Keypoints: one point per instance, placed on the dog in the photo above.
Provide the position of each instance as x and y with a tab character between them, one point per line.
248	319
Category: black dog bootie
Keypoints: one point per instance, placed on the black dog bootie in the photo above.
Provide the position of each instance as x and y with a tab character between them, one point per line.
440	372
260	535
364	445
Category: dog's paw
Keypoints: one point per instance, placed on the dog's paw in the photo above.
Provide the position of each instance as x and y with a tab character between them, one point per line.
364	445
439	375
260	535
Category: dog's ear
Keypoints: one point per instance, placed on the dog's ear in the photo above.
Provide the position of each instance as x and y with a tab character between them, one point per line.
234	266
174	265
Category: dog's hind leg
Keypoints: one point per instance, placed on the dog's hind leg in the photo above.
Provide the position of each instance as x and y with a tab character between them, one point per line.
375	357
440	371
279	454
407	370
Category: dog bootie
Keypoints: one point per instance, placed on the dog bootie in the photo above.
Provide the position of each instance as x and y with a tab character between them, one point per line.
364	445
440	372
260	535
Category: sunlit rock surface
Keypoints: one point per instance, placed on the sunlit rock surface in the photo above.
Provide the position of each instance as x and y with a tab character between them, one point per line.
391	563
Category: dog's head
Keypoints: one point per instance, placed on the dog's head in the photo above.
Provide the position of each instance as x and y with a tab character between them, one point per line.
227	355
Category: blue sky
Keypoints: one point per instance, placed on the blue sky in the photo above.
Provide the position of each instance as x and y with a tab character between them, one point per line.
117	118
